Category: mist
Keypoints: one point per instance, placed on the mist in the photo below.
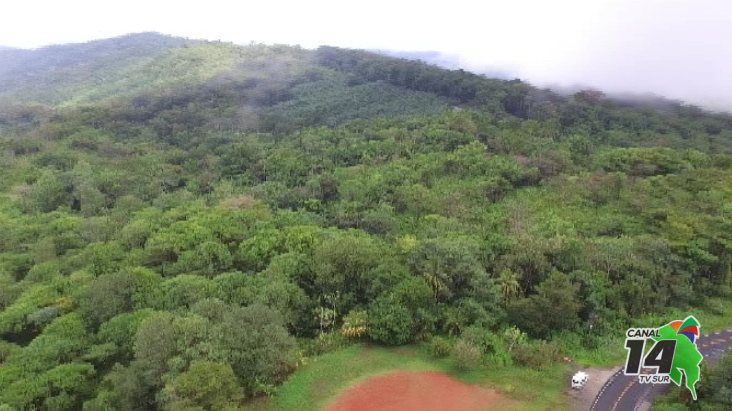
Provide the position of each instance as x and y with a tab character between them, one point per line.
677	49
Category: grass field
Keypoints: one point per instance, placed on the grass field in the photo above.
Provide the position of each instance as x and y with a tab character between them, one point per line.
318	382
324	377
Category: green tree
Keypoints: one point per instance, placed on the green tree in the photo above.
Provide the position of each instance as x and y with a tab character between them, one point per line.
343	266
209	385
389	322
107	296
255	343
554	307
450	267
185	290
121	331
509	284
155	344
49	192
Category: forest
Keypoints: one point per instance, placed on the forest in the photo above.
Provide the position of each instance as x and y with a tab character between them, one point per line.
183	224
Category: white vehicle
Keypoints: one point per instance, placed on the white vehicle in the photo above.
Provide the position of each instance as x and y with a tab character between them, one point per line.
579	380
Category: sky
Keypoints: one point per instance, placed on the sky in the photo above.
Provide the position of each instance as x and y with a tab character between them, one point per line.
680	49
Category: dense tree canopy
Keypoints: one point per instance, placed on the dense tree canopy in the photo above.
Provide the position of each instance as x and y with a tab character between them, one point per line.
184	234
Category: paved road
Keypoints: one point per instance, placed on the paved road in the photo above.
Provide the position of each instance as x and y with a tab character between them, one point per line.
624	393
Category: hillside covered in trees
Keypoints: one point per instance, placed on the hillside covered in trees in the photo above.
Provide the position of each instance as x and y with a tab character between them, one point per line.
184	223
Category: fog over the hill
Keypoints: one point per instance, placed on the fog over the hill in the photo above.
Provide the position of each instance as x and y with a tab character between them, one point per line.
674	48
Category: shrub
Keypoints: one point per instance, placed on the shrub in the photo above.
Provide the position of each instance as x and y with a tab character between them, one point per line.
354	324
466	355
390	322
439	347
536	354
323	343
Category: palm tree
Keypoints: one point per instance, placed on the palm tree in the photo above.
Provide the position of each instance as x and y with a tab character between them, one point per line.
435	277
509	284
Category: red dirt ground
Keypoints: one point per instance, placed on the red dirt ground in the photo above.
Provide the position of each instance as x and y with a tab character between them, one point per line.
417	391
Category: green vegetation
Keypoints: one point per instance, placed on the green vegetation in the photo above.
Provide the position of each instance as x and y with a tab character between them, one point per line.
319	381
202	219
715	390
323	377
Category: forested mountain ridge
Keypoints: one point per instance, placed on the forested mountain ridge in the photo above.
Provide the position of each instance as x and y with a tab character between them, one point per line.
51	74
176	212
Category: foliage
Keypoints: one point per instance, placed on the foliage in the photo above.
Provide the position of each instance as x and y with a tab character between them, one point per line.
390	322
553	308
466	355
439	346
209	385
213	213
256	345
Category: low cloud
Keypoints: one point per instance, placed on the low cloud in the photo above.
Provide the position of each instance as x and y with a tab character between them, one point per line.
676	48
